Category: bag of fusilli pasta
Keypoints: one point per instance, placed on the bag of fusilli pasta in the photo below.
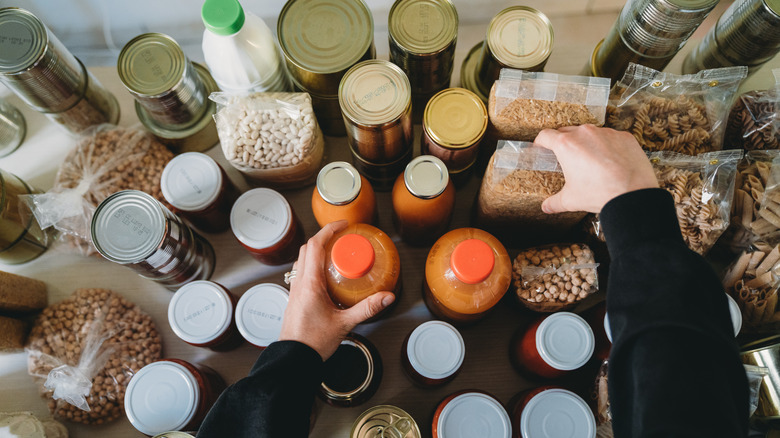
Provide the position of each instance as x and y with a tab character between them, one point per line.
676	113
753	120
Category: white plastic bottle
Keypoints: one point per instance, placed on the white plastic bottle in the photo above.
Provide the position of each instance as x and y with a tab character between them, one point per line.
240	50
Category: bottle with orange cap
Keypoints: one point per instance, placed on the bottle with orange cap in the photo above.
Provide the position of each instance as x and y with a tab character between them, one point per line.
466	273
361	260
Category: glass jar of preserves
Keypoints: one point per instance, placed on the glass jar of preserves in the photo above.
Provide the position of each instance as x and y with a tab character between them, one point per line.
171	394
198	188
553	346
21	237
423	200
484	414
466	273
360	261
132	228
352	374
201	314
266	225
549	412
433	353
260	312
343	194
385	421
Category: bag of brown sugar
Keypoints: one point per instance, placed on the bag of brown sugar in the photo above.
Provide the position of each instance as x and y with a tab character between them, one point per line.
754	118
677	113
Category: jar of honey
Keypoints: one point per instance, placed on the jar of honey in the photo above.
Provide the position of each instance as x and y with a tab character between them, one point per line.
423	200
266	225
343	194
550	412
201	314
171	394
466	273
260	312
360	261
433	353
483	413
553	346
352	374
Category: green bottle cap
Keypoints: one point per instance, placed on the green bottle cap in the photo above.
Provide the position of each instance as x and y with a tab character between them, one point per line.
222	17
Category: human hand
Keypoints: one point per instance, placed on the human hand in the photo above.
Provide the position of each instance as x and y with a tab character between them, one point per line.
598	163
311	317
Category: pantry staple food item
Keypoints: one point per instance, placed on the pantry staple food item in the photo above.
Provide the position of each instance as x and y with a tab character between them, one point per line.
753	121
21	294
752	281
13	333
27	425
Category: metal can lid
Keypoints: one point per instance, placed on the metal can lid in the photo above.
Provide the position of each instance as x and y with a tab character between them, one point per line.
374	92
325	36
692	5
200	312
422	27
151	64
338	183
565	341
23	39
520	37
259	313
557	413
485	416
385	420
128	226
435	349
161	396
455	118
468	72
260	218
773	5
607	327
191	181
426	177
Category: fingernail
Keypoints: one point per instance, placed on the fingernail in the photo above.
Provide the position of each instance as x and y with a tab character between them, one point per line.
388	300
545	208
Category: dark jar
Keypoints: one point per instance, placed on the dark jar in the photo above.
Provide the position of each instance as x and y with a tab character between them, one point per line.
596	316
201	314
433	353
352	375
484	414
550	412
260	312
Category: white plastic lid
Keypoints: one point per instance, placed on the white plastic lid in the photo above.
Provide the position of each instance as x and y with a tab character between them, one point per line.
565	341
557	413
435	349
259	313
191	181
607	327
260	218
736	315
200	312
474	414
162	396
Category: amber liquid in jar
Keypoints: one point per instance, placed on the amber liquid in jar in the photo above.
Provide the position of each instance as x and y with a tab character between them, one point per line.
485	415
211	385
342	193
531	410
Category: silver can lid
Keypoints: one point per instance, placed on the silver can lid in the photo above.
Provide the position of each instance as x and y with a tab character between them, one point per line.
23	39
426	177
128	226
191	181
436	350
338	183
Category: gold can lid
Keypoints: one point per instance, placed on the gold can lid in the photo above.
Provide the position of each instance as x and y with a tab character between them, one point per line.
455	118
426	177
151	64
325	36
338	183
23	40
773	5
520	37
468	72
374	92
423	26
385	420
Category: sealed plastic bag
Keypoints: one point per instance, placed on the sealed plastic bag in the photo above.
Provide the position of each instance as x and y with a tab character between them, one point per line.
85	349
752	280
270	137
753	120
523	103
678	113
755	376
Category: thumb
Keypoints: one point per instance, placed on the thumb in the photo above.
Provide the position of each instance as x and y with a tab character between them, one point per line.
554	204
368	308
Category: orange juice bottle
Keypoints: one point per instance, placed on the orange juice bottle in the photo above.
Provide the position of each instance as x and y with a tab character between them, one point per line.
342	193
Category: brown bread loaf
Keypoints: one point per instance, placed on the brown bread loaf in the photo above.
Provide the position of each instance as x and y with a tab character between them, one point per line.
13	333
21	294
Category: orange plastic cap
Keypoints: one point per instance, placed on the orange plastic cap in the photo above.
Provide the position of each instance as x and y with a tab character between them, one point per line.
472	261
352	255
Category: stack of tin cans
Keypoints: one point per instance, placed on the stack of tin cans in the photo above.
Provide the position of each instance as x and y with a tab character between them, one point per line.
748	33
648	32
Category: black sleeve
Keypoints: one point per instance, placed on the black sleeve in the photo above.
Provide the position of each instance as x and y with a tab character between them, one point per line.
674	370
275	400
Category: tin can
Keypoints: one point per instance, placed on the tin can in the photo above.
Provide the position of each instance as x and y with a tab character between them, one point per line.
433	353
171	394
13	128
483	413
201	314
42	72
454	124
327	111
382	176
198	188
174	434
352	374
21	237
385	421
766	353
341	193
468	73
266	225
260	312
534	411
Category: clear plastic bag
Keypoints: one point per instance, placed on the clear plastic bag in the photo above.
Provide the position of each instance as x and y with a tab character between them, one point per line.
85	349
753	120
273	138
752	280
600	397
755	376
523	103
677	113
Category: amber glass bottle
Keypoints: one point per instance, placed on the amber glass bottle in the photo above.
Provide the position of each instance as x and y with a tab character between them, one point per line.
342	194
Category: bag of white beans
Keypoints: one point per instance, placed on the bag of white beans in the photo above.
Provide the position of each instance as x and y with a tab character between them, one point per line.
273	138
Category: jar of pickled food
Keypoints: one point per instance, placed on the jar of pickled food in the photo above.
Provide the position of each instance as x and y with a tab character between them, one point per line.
198	188
423	200
260	312
466	273
343	194
360	261
266	225
483	413
550	412
352	374
201	314
171	394
433	353
553	346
